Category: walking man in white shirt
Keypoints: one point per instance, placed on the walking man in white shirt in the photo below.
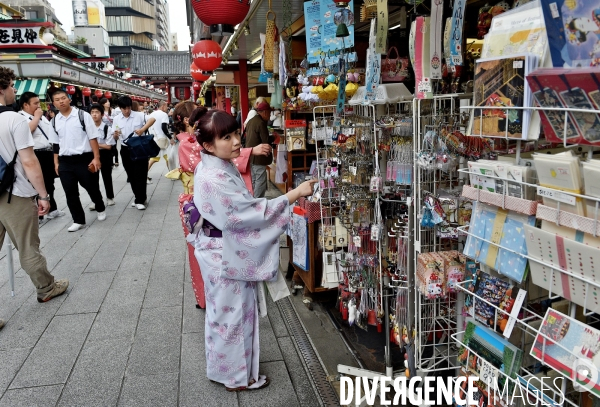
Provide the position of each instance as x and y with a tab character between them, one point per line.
160	128
41	130
19	218
105	142
76	157
131	124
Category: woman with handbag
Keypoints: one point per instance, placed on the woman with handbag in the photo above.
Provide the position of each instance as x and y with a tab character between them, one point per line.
237	247
108	119
125	126
185	117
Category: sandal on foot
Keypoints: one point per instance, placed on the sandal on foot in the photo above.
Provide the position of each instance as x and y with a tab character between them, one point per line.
263	381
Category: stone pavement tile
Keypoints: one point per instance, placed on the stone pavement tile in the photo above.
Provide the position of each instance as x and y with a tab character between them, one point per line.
157	344
193	318
108	257
12	359
155	390
195	390
128	287
269	349
54	355
115	323
32	397
277	322
300	379
97	376
279	393
143	244
25	327
87	294
164	290
136	262
24	290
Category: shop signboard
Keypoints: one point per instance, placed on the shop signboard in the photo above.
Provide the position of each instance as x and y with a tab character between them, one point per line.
320	29
89	13
96	63
23	34
69	74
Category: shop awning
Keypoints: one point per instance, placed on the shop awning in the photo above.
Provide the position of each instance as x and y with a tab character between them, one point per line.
37	86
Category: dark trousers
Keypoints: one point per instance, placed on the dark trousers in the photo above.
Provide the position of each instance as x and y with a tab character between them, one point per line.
46	159
115	153
106	161
73	171
137	172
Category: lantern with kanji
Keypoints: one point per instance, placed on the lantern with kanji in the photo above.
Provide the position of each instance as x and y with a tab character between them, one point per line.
196	86
86	92
221	15
70	90
107	95
98	93
198	74
207	55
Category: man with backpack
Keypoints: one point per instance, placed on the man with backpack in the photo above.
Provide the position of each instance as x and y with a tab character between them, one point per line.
105	142
26	191
76	157
41	128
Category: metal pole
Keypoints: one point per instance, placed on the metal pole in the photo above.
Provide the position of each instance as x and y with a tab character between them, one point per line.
11	269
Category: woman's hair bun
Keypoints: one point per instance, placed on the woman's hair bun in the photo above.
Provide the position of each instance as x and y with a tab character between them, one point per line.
197	114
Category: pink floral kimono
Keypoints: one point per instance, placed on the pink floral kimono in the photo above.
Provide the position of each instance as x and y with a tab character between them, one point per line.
247	252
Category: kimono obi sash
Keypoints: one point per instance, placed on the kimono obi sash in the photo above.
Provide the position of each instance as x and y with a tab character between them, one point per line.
210	230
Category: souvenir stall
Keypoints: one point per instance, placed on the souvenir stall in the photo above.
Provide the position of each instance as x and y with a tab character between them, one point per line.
457	215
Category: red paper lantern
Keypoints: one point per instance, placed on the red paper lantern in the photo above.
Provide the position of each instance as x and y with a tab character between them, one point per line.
198	74
207	55
187	93
226	13
107	95
196	86
98	93
71	90
86	91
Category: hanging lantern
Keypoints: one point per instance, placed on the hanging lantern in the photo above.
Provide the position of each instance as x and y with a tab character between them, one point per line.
187	93
107	95
70	90
86	92
196	86
98	93
207	55
343	17
221	15
198	74
143	83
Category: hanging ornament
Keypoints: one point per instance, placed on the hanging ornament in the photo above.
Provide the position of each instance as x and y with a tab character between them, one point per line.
107	95
99	93
368	10
343	17
70	90
270	40
196	86
86	92
207	55
221	15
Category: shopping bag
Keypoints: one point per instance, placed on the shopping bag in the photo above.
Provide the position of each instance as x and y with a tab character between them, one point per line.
278	288
162	142
394	69
261	298
173	156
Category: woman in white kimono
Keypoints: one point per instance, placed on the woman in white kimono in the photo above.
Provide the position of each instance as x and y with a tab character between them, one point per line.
238	246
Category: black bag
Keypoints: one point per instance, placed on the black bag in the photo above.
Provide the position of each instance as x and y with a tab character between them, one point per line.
7	170
141	147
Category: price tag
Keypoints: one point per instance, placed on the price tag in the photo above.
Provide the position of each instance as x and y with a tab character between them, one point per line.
271	85
356	241
517	64
457	59
554	10
514	313
352	170
556	195
227	92
424	85
488	374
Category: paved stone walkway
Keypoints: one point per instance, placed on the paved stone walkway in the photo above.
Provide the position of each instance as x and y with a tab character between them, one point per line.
127	332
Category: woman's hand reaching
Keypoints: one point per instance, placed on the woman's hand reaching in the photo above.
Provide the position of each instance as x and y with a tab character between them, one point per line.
304	189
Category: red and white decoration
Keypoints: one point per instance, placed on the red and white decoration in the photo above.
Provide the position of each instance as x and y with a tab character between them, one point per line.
207	55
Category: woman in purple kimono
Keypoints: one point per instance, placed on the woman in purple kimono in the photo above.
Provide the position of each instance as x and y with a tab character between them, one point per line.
238	247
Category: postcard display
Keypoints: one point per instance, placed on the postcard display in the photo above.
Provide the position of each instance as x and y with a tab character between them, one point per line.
532	280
